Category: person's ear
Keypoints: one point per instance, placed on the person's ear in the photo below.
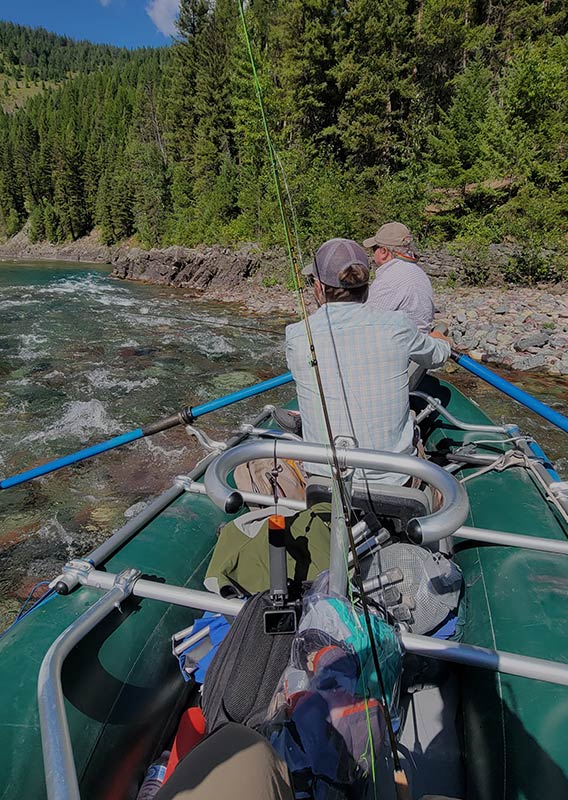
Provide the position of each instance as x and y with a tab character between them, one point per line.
319	292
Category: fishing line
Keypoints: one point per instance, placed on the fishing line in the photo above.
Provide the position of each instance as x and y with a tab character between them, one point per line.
400	780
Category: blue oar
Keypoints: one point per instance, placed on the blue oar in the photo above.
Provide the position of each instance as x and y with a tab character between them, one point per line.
512	391
184	417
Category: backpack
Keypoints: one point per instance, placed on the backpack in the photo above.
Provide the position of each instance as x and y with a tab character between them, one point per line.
245	670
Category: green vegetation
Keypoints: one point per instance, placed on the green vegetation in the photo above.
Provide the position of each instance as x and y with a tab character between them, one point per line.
32	60
451	115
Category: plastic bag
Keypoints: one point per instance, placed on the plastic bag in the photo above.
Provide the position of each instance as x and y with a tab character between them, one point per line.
327	718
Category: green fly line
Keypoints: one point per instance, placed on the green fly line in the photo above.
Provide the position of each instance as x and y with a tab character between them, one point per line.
294	258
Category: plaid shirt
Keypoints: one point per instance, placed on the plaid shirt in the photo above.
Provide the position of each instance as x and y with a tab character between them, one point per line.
363	356
401	285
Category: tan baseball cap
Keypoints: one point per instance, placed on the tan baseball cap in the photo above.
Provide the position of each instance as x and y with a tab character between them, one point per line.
392	234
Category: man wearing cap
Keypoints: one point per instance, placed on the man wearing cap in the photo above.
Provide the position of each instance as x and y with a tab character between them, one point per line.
400	284
363	355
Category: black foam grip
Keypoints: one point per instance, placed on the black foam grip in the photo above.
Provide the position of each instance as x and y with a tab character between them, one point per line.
414	531
233	503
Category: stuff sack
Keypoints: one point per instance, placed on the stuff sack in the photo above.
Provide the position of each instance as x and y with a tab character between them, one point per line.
327	717
245	670
255	476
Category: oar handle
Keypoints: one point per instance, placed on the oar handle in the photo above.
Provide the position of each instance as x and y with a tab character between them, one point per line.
512	391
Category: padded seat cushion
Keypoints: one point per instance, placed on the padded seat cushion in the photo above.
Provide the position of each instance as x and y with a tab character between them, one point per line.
399	503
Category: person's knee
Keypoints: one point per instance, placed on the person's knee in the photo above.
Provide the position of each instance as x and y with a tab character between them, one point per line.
235	762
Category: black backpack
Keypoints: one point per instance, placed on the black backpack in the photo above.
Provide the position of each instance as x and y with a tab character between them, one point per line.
244	673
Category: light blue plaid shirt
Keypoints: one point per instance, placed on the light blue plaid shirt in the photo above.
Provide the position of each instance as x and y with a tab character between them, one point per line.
363	355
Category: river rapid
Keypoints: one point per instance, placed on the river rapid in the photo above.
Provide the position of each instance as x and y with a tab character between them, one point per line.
84	357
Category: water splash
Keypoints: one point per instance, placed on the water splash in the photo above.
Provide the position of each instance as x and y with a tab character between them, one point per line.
103	379
80	420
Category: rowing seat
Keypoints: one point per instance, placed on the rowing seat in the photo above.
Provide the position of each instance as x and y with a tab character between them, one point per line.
397	503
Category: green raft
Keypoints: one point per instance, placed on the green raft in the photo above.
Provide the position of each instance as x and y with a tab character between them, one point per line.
123	692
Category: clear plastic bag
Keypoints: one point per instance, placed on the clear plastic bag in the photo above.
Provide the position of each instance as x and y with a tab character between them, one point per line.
327	717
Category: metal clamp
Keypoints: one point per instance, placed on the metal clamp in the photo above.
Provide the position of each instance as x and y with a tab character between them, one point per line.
125	580
72	573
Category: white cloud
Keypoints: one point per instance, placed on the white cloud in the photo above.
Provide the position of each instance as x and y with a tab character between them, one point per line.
163	14
104	3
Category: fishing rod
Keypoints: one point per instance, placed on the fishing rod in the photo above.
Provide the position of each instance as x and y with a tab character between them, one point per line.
400	780
522	397
185	416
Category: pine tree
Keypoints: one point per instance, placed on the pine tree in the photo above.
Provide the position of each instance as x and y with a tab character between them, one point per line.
68	192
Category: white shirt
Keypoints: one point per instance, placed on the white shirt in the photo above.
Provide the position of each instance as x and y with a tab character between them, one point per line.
401	285
363	356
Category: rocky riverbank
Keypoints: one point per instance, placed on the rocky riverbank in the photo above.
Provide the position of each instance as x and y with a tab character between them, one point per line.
520	328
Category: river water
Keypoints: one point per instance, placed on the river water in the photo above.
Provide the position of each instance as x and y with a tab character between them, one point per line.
84	357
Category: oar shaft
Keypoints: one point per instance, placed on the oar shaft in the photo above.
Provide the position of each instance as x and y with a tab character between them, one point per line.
73	458
186	415
241	394
512	391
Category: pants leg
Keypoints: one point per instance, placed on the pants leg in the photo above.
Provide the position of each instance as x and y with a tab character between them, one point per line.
235	762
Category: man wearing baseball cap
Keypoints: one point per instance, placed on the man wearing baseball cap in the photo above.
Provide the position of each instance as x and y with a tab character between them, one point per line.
363	355
400	284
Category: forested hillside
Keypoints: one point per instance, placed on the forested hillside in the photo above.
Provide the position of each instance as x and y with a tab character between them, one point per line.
32	59
451	115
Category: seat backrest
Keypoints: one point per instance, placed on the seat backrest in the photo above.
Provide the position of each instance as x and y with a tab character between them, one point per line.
398	503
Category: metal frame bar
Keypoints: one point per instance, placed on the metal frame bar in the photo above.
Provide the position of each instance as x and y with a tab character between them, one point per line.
464	532
425	530
538	669
457	652
512	540
464	426
250	498
59	765
167	593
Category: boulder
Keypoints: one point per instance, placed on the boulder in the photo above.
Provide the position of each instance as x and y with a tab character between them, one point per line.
537	339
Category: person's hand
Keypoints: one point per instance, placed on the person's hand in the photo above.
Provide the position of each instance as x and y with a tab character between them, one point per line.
438	335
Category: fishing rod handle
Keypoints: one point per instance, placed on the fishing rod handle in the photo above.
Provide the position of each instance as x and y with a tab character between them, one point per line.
423	530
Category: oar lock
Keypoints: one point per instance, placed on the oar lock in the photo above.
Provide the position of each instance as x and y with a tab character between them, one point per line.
208	444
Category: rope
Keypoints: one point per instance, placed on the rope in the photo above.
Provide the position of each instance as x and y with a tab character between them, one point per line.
22	614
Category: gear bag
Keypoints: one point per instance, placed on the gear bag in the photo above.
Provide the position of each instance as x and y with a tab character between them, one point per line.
245	670
254	476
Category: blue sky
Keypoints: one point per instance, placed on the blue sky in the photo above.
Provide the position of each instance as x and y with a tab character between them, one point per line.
128	23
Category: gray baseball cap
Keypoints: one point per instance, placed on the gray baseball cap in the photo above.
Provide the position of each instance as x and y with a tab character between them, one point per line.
392	234
333	257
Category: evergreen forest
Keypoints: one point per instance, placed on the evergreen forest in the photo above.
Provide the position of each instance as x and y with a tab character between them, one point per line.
449	115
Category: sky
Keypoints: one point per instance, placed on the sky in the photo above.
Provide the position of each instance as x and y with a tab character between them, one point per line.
127	23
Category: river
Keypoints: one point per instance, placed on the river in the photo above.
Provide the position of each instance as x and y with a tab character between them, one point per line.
84	357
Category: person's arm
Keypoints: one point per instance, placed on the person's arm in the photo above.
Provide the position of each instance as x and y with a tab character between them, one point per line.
429	350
